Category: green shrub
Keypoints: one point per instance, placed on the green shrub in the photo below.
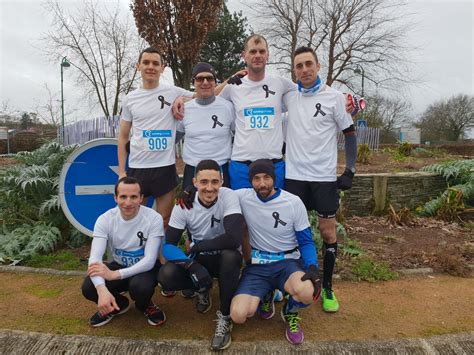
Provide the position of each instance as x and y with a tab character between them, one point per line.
365	268
32	219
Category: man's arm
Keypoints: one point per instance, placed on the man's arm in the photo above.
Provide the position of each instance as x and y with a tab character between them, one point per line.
344	182
230	239
233	80
307	247
124	136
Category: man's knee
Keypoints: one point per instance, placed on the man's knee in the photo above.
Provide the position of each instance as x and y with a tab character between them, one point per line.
241	309
166	274
88	289
327	228
303	292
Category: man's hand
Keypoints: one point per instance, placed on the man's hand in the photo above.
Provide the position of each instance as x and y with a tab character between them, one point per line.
186	198
99	269
354	104
313	274
106	303
236	78
178	108
344	182
198	273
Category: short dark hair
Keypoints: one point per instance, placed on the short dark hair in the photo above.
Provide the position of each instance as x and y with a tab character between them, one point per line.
256	38
207	164
149	50
129	180
304	49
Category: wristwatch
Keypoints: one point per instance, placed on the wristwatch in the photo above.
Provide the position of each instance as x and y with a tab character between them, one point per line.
351	170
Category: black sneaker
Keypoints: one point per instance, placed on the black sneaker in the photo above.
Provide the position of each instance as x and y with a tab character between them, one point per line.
154	314
98	320
222	336
204	301
188	293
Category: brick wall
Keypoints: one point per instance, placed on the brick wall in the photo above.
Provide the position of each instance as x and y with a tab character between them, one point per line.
26	141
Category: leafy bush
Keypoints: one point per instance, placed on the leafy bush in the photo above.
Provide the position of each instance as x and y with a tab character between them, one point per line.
367	269
459	175
363	154
30	212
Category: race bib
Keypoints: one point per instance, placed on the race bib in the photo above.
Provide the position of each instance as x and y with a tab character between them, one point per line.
128	258
259	118
155	140
265	257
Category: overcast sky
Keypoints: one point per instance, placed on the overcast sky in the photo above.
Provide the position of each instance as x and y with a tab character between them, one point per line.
444	34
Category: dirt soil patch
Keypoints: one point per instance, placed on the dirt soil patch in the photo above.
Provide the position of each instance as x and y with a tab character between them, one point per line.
424	242
413	307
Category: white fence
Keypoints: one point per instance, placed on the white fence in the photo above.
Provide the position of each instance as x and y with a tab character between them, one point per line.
369	136
84	131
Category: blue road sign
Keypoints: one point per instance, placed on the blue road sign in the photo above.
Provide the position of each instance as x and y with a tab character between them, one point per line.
361	124
86	185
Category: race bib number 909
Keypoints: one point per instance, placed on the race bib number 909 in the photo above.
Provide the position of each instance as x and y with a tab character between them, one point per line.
259	118
156	140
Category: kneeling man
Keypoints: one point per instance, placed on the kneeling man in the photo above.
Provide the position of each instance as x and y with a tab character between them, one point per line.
283	252
215	223
133	234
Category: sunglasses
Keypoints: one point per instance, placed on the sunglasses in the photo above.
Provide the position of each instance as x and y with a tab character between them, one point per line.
200	79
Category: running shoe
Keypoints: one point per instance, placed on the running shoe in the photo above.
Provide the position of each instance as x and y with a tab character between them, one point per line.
222	336
330	303
154	314
267	306
98	320
204	301
294	333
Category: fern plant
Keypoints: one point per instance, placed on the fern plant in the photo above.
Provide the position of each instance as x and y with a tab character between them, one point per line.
29	204
459	175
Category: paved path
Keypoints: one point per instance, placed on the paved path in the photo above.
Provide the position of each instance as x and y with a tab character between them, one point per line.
19	342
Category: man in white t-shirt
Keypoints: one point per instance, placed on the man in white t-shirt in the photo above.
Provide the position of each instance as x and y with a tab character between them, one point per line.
283	254
316	113
207	125
152	145
258	106
215	223
132	234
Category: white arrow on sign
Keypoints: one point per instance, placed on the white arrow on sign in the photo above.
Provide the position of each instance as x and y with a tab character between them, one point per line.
97	189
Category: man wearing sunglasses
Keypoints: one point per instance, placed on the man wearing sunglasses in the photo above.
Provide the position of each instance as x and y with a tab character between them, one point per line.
207	125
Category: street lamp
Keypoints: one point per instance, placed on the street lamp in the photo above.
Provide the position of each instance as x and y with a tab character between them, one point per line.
64	64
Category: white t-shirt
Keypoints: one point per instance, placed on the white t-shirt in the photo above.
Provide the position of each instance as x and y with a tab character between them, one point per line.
258	125
272	224
208	131
311	138
127	239
153	125
206	223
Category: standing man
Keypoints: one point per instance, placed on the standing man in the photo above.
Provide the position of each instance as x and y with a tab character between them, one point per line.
207	125
152	144
133	234
215	222
316	113
283	252
258	105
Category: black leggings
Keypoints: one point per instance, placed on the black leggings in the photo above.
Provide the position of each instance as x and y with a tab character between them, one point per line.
225	266
140	287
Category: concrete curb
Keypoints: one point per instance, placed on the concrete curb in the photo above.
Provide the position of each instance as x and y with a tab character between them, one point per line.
20	342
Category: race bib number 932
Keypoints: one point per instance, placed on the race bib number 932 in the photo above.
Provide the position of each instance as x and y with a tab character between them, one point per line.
259	118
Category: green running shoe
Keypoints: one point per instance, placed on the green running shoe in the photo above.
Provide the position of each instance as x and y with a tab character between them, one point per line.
330	303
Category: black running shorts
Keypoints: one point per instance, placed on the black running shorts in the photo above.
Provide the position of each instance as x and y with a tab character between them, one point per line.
155	182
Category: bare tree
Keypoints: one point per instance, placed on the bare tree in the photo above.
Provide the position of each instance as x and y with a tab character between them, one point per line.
448	119
388	114
178	29
102	46
344	33
49	112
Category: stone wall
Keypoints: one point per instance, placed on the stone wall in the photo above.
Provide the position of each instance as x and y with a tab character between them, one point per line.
373	193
